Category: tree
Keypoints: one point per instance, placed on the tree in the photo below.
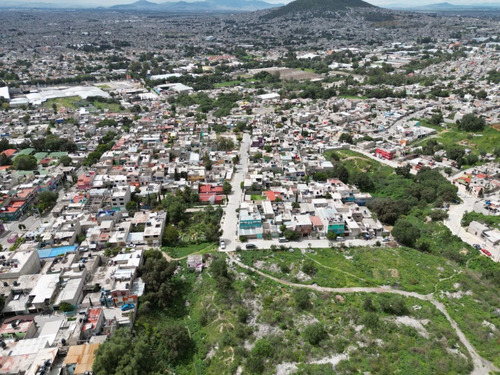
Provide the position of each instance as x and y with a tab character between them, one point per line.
25	163
455	152
65	307
175	207
111	353
227	188
46	199
389	210
170	236
4	144
291	235
436	118
131	207
218	267
65	160
481	94
346	138
127	354
331	235
406	232
5	160
224	144
471	123
174	343
157	274
341	172
404	171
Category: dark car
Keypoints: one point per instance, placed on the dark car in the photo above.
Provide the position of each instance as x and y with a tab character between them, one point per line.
477	246
250	246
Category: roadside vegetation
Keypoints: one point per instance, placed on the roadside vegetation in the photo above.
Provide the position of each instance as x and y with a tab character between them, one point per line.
492	221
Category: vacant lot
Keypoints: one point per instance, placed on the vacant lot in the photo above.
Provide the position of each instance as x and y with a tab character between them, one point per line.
289	74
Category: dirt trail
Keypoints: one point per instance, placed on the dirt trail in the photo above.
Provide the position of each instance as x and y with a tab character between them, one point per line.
481	366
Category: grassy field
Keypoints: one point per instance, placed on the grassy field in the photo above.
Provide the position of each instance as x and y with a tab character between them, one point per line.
63	102
74	102
256	197
352	97
184	251
483	141
227	84
403	268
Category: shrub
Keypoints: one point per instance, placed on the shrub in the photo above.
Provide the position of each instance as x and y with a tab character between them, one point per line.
314	333
302	299
308	267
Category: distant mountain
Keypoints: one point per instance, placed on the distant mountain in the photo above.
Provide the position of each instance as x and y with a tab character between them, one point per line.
202	6
138	5
37	5
316	6
442	6
446	7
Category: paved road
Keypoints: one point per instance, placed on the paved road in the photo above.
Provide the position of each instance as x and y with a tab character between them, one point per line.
305	243
453	222
230	218
32	223
481	365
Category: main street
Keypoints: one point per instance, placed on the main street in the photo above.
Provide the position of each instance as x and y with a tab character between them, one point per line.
230	217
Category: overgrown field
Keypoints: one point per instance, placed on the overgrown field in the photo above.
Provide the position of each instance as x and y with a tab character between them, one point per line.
229	320
402	268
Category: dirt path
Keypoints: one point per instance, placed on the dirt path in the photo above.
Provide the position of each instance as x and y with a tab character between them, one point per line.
338	270
481	365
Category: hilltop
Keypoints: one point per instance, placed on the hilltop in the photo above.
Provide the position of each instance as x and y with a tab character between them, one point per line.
316	6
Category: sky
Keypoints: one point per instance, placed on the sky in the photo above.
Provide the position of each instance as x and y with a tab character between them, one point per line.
374	2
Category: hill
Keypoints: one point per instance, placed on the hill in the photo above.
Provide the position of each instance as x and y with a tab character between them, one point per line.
316	6
138	5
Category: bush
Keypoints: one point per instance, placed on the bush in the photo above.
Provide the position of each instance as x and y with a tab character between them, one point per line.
308	268
371	320
315	333
66	307
302	299
438	215
394	305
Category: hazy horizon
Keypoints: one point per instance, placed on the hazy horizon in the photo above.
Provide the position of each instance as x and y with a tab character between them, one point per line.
116	2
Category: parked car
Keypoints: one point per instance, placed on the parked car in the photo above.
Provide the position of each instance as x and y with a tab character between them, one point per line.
222	245
250	246
282	239
477	246
486	252
127	306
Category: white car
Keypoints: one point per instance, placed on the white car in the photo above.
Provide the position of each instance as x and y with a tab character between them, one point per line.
222	245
